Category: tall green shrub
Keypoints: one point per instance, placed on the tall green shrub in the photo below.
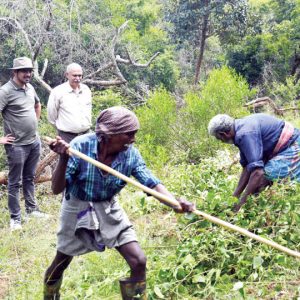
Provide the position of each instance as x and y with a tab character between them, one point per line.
105	99
157	118
223	92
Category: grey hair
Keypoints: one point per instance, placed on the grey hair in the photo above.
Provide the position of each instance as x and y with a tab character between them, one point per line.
73	66
220	123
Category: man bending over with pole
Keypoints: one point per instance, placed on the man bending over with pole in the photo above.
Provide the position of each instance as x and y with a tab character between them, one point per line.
89	200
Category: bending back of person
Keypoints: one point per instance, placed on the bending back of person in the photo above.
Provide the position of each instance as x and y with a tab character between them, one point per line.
269	150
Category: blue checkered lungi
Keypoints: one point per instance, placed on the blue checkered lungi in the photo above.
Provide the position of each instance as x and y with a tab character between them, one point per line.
285	164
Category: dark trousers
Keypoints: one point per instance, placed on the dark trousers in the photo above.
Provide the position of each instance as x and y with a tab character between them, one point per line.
22	163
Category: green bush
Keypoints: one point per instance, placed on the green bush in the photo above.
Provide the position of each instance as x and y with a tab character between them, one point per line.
223	92
285	93
181	134
213	263
157	118
103	100
165	71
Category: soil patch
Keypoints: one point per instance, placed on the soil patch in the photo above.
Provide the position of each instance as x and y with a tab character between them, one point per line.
4	286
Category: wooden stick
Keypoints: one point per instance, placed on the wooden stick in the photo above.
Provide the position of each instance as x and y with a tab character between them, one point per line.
246	233
173	203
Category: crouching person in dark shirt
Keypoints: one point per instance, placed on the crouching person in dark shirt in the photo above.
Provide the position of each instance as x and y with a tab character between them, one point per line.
91	218
269	150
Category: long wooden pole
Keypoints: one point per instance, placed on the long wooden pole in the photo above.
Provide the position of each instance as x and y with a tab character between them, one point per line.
171	202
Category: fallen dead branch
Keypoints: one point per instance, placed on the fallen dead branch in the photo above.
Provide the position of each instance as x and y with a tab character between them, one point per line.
263	101
43	171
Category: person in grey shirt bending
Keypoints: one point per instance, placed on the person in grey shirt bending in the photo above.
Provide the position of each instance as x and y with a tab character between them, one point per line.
21	109
69	106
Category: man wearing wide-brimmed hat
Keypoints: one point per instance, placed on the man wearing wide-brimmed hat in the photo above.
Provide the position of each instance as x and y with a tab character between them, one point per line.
21	109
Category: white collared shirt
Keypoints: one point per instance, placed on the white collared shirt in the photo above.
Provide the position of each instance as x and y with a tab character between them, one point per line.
69	110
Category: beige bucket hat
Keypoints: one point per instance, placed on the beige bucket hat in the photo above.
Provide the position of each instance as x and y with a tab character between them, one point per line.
22	63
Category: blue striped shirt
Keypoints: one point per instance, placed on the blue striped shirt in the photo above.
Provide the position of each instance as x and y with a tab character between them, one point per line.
87	182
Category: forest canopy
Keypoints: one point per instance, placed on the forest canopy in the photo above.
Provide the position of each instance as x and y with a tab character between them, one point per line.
135	46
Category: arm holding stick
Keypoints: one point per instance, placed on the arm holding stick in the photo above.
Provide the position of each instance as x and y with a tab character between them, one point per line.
184	205
58	178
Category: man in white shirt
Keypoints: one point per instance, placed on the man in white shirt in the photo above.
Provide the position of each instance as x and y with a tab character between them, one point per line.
70	105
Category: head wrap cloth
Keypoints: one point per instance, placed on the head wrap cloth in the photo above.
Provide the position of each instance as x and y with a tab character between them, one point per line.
116	120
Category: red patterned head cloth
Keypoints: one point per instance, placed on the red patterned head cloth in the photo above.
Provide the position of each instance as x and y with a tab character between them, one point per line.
115	120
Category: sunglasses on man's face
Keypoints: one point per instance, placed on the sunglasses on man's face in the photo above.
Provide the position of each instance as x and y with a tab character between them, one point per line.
26	70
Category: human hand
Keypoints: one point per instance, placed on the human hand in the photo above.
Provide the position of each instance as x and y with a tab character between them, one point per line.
236	207
236	194
8	139
59	146
186	206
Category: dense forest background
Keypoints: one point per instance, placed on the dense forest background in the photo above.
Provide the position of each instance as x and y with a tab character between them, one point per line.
135	47
176	64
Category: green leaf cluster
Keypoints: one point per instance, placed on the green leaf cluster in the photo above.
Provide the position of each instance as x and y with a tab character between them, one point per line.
182	130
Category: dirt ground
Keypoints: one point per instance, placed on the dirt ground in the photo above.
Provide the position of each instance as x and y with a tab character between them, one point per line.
4	284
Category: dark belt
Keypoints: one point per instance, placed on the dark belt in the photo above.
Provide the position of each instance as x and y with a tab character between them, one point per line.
80	133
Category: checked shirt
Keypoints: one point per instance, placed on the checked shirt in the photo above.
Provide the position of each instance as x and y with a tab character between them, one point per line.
87	182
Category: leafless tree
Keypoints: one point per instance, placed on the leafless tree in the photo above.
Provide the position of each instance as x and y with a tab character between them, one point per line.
57	35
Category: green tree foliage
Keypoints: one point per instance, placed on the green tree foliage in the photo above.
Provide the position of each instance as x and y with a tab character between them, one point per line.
85	32
223	92
182	133
285	93
225	16
165	71
157	118
194	21
271	52
146	36
248	60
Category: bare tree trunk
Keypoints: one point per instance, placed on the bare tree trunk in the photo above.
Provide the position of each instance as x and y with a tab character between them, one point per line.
203	38
47	161
295	67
